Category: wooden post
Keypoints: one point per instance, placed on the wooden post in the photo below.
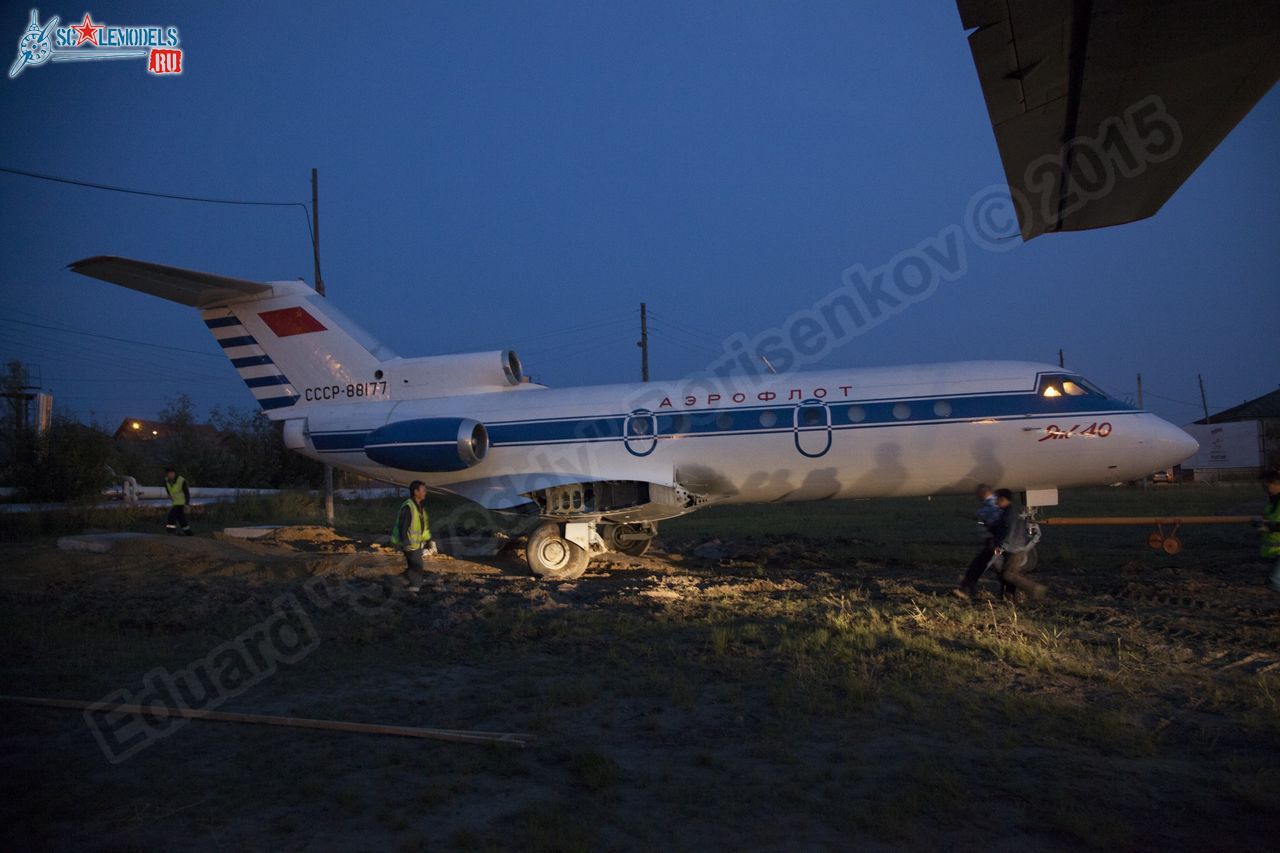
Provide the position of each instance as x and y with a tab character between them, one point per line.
1203	402
1061	363
1145	480
315	253
315	228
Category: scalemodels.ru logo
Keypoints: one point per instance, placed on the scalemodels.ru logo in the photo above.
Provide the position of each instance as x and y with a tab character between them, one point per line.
89	41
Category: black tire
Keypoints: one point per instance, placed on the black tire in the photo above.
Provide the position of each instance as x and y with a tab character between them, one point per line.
552	557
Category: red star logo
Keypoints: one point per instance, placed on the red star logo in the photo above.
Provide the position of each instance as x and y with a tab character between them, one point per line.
87	31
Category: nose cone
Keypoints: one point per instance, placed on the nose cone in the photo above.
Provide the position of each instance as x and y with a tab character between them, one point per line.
1171	445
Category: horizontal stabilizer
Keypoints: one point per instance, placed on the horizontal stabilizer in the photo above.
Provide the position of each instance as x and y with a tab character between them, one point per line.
188	287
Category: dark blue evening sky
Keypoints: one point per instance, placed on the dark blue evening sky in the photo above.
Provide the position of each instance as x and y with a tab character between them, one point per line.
525	174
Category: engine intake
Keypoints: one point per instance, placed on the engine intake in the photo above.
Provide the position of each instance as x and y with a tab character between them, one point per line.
431	445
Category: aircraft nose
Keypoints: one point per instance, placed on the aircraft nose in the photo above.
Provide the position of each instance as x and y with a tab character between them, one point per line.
1171	445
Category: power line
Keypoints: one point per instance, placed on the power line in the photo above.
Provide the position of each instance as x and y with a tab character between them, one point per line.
172	196
108	337
718	340
1172	400
570	330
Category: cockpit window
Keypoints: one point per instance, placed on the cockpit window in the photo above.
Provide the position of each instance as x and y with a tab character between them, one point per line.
1064	386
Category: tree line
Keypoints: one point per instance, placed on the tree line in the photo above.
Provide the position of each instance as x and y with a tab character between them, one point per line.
71	459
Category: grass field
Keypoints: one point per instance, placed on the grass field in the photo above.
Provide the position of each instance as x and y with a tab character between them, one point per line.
782	677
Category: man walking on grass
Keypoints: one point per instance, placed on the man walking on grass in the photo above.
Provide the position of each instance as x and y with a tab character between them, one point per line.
1014	541
411	534
180	495
988	514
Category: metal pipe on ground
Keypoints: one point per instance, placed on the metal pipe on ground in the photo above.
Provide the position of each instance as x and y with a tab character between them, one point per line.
455	735
1125	519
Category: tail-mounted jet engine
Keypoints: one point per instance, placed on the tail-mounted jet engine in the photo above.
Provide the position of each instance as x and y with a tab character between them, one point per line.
432	445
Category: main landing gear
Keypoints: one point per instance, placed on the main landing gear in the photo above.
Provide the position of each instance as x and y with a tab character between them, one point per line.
561	550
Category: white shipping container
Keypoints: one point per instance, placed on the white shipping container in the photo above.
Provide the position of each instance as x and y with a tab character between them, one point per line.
1231	445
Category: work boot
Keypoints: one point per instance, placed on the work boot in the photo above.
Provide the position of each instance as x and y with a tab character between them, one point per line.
188	532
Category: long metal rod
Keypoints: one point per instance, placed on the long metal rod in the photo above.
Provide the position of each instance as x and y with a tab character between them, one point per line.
1134	519
456	735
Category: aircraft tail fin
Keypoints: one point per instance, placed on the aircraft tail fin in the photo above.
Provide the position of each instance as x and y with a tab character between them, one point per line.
290	346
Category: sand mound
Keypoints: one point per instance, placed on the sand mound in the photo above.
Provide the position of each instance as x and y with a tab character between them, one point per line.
314	538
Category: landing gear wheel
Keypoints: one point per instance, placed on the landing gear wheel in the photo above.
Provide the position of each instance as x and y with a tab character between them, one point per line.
552	557
1172	545
616	538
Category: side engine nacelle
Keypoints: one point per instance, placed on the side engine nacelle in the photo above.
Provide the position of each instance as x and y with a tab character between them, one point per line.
433	445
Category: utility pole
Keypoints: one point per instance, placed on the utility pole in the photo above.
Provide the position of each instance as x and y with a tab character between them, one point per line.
1203	402
1144	479
315	228
315	252
643	343
1061	363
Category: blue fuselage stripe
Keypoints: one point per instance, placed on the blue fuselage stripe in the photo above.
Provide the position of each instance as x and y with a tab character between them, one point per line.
758	420
222	322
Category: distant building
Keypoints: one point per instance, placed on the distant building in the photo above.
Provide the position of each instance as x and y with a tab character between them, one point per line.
1237	443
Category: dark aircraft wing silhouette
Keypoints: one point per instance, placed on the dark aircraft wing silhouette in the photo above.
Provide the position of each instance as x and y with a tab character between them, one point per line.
1102	108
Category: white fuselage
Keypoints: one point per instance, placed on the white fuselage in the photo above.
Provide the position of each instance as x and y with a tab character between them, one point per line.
926	429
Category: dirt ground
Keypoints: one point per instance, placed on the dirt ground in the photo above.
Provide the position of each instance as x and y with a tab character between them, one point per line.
765	691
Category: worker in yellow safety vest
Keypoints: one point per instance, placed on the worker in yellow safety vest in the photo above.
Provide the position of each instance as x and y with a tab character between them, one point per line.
180	495
411	534
1270	527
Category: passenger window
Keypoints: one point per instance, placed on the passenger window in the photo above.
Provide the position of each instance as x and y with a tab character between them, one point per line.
812	416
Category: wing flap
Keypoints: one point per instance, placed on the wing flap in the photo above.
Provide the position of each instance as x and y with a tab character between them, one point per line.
187	287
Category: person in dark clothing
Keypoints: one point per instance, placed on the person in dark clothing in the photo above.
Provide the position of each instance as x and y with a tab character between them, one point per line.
1270	527
411	534
180	495
988	514
1014	541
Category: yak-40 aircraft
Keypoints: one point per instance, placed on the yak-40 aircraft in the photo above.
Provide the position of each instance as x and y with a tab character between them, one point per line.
602	465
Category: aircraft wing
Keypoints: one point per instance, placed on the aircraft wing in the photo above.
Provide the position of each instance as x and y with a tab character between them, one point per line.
509	491
188	287
1148	88
505	493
